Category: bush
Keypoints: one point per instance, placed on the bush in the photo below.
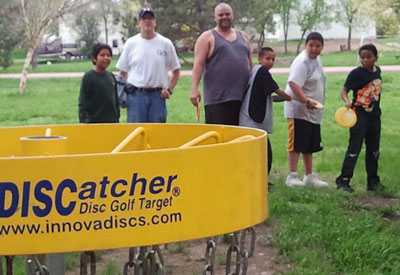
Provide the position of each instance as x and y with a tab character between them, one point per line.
387	24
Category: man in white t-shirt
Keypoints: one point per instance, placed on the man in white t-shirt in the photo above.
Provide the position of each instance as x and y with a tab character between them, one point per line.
144	63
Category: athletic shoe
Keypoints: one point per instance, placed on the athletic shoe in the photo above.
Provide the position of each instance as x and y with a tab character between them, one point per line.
293	180
375	187
313	179
345	186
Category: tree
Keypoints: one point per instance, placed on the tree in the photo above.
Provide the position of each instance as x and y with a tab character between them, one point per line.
37	16
309	16
386	15
128	18
10	31
387	24
186	20
395	5
348	9
261	13
284	9
183	20
87	27
107	10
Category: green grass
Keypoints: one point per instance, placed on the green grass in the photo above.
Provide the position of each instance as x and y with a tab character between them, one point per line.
390	39
323	231
318	231
60	65
329	60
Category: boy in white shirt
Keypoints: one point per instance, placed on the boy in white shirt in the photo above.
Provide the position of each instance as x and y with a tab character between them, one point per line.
306	83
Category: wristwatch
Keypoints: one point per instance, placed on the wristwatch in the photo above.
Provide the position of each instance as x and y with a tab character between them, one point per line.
170	91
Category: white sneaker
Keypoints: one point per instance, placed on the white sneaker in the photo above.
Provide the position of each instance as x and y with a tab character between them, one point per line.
293	180
313	179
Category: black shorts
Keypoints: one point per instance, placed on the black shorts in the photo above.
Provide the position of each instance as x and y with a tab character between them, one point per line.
223	113
304	136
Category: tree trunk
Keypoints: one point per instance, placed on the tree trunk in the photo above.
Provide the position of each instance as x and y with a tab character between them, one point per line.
106	28
261	40
33	43
285	33
301	41
24	76
35	60
349	36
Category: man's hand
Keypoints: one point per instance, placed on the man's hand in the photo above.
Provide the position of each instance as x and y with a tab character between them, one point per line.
195	96
165	94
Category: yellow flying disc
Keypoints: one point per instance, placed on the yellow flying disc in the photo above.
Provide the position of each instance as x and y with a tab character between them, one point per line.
345	117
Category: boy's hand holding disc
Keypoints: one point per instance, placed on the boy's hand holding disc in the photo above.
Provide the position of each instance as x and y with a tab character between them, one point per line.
317	104
345	117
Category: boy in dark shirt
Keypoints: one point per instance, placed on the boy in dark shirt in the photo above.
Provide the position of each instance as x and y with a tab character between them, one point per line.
98	99
256	110
366	83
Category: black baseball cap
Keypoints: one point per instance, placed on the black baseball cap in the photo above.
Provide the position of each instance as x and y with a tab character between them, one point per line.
145	11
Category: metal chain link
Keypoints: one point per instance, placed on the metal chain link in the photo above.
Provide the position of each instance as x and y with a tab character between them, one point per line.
9	265
152	262
145	262
252	240
132	262
233	248
209	261
39	269
154	266
84	262
244	252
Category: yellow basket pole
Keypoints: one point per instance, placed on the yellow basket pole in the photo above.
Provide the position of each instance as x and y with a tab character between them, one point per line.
48	132
203	137
138	131
242	138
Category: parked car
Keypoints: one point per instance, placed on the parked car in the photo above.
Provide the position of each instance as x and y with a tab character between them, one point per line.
53	47
70	50
49	47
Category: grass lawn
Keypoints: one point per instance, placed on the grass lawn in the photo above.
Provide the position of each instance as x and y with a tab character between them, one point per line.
329	60
318	231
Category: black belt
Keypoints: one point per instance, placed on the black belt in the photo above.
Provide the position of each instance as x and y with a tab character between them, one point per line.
148	90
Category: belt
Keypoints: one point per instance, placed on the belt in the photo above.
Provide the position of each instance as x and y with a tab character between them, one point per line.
148	90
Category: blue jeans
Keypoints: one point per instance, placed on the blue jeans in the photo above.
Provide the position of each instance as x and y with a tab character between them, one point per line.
146	107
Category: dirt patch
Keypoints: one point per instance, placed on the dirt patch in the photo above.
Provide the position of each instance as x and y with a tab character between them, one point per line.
379	201
373	202
391	217
187	258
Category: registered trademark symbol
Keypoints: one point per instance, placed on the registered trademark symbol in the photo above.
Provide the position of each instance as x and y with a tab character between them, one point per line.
176	191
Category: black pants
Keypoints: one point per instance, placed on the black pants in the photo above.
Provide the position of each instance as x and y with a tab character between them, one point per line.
368	128
223	113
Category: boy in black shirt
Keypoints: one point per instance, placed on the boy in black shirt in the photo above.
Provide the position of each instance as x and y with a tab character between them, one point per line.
256	110
98	99
366	83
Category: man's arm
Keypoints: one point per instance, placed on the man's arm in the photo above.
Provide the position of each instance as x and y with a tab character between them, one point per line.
251	51
201	52
124	75
174	79
172	83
